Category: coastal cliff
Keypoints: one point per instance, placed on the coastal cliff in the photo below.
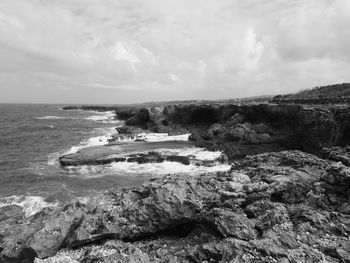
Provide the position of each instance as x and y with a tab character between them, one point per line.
285	199
240	130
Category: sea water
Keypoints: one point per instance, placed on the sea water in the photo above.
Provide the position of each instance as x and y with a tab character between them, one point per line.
33	137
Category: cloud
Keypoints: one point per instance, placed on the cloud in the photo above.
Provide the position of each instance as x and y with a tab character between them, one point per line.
133	50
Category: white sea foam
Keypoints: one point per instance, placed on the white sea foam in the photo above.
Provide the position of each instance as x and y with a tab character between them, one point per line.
198	153
162	137
30	204
94	141
147	169
53	159
51	117
107	116
155	137
163	168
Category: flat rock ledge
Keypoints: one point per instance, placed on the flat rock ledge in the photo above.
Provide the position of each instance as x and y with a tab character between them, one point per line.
76	159
286	206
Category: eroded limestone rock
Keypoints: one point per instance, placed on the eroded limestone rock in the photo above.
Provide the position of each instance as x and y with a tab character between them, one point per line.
293	207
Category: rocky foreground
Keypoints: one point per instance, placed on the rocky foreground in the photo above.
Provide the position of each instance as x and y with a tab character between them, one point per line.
273	207
285	199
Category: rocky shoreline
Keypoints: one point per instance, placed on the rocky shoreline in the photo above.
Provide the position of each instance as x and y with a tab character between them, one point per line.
286	197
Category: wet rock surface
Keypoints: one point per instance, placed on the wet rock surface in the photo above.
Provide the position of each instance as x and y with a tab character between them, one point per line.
139	152
287	206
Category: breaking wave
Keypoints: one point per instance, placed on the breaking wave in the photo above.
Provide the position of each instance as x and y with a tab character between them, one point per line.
107	116
198	153
153	137
147	169
30	204
51	118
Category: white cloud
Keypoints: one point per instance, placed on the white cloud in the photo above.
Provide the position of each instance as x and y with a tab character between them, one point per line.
172	49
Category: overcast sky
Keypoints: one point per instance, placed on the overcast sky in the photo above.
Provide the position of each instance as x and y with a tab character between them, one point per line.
121	51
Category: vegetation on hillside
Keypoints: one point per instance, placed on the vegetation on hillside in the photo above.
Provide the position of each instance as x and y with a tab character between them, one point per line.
324	92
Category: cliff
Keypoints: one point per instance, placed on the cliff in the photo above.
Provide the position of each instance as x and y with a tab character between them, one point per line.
278	203
240	130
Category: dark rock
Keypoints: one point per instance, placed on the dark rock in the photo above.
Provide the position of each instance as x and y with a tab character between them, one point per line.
215	129
100	155
338	154
140	119
282	213
125	130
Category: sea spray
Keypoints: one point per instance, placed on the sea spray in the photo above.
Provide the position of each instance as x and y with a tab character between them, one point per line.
30	204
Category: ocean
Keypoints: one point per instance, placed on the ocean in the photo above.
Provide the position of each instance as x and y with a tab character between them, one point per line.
33	137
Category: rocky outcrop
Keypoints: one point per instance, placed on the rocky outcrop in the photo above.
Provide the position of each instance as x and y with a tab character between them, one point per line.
136	152
286	206
240	130
338	154
245	129
76	159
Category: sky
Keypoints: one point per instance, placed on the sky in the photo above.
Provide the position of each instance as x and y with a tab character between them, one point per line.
125	51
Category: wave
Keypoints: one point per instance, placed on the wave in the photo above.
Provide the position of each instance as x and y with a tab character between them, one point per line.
153	137
30	204
147	169
198	153
103	135
107	116
51	118
94	141
164	168
162	137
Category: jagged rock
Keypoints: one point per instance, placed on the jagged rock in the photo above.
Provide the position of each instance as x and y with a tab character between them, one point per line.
245	132
232	224
140	118
246	129
120	138
125	130
214	130
289	211
116	153
234	186
239	178
339	154
199	135
235	119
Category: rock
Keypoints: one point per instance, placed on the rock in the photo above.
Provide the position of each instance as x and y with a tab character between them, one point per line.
98	155
140	119
288	209
234	187
238	132
125	130
232	224
199	135
336	153
264	138
256	187
246	129
235	119
214	130
240	178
